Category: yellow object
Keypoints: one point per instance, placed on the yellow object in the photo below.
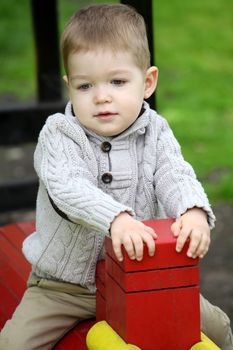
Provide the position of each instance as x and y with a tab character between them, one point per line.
205	344
102	337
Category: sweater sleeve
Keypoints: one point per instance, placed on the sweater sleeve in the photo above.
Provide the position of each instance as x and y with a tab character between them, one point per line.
177	187
59	161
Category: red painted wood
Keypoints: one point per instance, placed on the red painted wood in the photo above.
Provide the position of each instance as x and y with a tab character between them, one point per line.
19	230
13	257
101	291
8	303
76	338
12	279
100	271
100	307
26	227
166	256
152	279
14	271
100	287
161	319
100	277
151	302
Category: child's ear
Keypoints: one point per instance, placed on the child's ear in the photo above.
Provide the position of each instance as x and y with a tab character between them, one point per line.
150	81
66	80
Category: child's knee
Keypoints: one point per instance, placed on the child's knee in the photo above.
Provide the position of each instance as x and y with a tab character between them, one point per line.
214	322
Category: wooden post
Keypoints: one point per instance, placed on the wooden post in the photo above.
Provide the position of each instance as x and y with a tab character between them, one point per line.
44	14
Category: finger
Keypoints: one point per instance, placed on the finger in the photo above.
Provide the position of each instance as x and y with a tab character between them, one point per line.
129	247
150	242
117	250
176	227
151	231
203	246
138	246
195	240
182	238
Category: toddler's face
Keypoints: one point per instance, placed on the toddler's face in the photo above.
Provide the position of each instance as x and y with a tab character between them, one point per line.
106	89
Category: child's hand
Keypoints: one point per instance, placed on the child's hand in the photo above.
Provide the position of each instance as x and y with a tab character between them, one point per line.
193	224
131	233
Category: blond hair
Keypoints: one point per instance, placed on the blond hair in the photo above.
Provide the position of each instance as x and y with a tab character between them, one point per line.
109	26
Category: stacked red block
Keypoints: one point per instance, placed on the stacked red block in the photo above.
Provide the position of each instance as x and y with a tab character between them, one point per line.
155	302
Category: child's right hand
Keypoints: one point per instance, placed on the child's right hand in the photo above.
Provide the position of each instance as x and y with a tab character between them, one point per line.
131	233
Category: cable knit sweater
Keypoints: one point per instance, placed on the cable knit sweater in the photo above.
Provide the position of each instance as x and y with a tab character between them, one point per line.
91	179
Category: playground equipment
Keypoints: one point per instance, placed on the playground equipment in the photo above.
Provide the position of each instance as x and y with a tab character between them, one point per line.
152	303
102	337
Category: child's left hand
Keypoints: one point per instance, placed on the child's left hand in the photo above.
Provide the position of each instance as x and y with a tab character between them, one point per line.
192	224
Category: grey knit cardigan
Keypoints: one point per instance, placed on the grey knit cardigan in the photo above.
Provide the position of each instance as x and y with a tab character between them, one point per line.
91	179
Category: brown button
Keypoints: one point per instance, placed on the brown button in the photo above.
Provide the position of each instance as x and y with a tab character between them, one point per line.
107	178
106	146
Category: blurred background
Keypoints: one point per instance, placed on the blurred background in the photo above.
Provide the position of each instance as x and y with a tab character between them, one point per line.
193	49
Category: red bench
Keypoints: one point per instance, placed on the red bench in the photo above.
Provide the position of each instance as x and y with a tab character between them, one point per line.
14	271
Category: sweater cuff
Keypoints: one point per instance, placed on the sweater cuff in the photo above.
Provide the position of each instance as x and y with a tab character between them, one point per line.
104	215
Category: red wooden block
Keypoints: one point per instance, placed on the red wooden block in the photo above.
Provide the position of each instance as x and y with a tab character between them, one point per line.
100	293
100	276
100	287
166	256
160	319
149	302
152	279
100	307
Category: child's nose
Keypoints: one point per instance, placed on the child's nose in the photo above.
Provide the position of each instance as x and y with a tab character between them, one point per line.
102	95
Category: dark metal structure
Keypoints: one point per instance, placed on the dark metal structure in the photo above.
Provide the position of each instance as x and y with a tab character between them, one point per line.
27	120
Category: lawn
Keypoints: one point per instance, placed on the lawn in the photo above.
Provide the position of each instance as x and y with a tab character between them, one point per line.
194	52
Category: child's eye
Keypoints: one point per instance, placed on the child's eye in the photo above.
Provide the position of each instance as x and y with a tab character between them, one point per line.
85	86
118	82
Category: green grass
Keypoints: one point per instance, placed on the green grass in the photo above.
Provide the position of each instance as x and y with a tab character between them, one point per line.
194	52
17	59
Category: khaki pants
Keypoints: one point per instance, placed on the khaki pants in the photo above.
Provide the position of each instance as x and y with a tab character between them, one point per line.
46	312
216	324
49	309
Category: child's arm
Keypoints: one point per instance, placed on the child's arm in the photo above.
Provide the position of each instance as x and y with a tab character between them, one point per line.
131	233
192	224
63	168
175	182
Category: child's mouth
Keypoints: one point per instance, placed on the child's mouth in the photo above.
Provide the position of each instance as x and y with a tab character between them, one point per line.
105	115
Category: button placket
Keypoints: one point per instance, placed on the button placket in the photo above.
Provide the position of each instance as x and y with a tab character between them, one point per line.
106	148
